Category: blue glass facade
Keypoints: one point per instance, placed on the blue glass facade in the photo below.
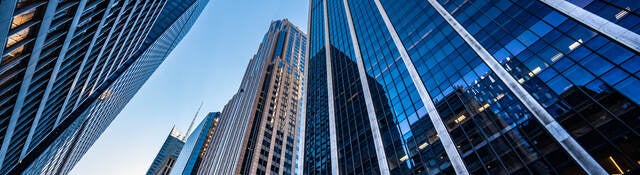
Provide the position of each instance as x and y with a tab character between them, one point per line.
78	66
196	146
408	136
166	158
446	64
625	13
316	158
521	87
356	151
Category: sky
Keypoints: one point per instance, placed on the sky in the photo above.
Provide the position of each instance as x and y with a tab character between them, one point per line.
206	66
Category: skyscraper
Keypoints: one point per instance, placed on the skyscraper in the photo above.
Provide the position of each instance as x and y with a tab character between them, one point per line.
257	133
473	87
167	157
196	146
69	67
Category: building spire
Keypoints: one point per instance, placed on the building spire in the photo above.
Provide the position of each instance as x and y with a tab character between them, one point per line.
194	119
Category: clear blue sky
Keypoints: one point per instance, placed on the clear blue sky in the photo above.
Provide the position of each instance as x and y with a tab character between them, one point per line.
207	66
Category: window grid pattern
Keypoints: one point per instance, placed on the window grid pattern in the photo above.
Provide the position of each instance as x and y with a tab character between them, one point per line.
356	150
493	131
99	109
408	136
584	79
317	157
625	13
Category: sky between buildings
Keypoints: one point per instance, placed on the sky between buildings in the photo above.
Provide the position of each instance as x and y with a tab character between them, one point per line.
207	66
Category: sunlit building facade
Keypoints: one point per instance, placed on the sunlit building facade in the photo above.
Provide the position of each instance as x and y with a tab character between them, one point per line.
473	87
258	128
69	66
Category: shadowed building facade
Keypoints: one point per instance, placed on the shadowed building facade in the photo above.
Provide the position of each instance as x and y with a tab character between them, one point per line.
472	87
68	67
166	159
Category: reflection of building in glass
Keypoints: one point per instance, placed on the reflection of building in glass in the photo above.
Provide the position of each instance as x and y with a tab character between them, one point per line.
473	87
68	68
257	132
196	146
315	150
166	158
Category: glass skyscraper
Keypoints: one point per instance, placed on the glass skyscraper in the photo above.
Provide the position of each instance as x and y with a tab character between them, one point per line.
258	128
196	146
167	157
473	87
69	66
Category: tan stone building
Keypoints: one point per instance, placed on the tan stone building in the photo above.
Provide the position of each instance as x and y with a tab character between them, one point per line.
259	125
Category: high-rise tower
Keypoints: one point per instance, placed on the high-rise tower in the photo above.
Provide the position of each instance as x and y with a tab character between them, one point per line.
473	87
69	66
196	146
167	158
257	133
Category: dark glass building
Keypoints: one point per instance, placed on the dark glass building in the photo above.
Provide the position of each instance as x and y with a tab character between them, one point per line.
69	66
196	146
166	159
473	87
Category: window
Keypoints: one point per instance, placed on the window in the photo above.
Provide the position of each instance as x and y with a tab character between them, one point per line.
22	18
17	37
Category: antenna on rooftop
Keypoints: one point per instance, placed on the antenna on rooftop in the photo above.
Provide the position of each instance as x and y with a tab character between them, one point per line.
194	119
